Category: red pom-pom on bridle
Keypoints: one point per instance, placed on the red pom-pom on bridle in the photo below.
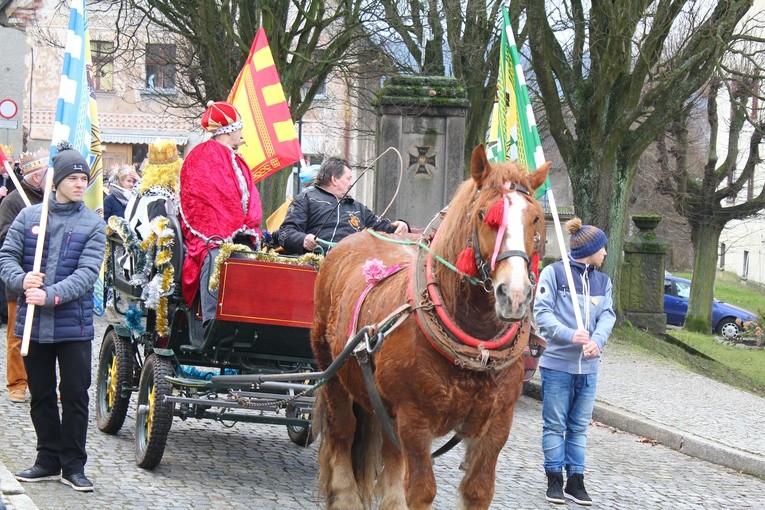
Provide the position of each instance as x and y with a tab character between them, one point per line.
496	214
466	262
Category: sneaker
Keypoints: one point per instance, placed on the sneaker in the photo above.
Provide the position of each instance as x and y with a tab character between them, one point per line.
38	473
78	482
18	396
555	488
575	490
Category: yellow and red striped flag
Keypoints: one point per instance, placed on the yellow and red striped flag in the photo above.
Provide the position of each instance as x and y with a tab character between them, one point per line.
272	142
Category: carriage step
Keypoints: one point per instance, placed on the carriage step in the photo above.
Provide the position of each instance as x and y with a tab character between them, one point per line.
190	348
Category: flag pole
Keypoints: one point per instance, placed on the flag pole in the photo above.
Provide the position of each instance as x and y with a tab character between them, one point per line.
539	158
29	320
16	183
12	175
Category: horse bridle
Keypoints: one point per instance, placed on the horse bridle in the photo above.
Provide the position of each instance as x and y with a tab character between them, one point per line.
484	267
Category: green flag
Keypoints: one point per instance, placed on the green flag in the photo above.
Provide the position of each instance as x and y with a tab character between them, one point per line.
513	134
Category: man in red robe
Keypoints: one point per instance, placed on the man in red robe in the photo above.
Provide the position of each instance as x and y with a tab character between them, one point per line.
218	202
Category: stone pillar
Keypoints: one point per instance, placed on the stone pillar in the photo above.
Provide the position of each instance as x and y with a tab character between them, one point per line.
423	117
642	276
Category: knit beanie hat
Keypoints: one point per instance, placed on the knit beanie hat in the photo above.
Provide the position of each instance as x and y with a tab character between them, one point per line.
68	161
308	175
585	239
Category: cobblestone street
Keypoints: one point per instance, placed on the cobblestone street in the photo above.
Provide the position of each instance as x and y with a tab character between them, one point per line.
207	464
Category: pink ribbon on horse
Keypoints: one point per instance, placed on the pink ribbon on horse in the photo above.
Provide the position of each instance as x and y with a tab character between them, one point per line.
374	271
503	226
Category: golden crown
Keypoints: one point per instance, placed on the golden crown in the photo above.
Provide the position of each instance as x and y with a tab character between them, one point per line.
7	150
163	152
31	161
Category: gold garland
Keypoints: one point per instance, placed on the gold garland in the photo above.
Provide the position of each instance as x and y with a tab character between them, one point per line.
226	249
153	252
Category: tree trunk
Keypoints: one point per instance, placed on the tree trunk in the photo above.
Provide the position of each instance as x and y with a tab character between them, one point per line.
602	201
705	236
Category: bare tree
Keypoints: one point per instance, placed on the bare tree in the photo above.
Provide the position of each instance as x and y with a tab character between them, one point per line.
310	40
609	87
726	190
446	38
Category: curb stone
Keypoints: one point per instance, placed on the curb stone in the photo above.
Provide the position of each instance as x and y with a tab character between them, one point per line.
12	493
683	442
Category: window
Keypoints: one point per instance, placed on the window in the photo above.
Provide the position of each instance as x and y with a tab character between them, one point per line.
722	256
321	92
683	290
745	269
102	54
160	67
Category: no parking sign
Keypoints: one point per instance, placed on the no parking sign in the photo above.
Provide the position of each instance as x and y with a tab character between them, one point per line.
8	108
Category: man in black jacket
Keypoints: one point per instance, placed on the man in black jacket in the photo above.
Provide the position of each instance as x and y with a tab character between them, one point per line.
326	212
33	167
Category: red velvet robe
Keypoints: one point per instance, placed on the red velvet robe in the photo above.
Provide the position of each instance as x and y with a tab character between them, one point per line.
211	205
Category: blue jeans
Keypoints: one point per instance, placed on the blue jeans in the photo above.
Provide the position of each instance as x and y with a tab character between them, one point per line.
567	402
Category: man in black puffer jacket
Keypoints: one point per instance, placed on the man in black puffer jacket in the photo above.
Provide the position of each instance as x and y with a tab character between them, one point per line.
62	331
326	212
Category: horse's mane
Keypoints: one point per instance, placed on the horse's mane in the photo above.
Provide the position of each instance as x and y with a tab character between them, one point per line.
457	230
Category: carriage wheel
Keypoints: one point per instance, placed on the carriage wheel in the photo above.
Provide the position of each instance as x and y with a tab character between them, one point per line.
154	416
115	370
301	435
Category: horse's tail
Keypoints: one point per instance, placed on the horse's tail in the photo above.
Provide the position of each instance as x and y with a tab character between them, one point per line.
366	452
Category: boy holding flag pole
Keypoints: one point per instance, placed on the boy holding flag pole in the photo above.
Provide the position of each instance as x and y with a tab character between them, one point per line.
57	280
569	366
55	315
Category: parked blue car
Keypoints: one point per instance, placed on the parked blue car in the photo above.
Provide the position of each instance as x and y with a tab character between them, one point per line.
724	316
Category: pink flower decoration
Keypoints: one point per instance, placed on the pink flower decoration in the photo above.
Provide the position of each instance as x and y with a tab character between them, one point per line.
374	270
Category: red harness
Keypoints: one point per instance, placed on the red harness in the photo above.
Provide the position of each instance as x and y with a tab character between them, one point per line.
446	337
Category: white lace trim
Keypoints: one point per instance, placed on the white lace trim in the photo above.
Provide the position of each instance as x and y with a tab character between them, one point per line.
242	182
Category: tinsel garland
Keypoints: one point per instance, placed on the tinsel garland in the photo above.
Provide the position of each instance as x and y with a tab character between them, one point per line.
133	317
226	249
154	252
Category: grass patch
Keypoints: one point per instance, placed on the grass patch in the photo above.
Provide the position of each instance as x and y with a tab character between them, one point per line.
742	368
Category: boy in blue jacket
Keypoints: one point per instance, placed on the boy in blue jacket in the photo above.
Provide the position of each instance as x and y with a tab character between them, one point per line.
62	331
569	365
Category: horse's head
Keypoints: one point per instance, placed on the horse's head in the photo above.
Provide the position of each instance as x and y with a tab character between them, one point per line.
507	225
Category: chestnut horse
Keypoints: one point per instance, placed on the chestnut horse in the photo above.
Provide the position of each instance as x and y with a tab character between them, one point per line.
426	390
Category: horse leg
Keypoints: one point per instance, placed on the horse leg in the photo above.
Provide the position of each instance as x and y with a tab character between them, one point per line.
390	485
338	423
415	439
477	487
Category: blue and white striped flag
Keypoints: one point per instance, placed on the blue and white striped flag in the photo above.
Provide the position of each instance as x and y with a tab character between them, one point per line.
77	116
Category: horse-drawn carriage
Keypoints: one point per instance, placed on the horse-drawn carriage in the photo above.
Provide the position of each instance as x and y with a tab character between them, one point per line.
159	349
455	356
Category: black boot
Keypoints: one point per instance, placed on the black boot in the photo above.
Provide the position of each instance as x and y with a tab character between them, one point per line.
555	488
575	490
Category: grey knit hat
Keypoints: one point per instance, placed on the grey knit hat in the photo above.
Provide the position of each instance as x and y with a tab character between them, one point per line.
68	161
